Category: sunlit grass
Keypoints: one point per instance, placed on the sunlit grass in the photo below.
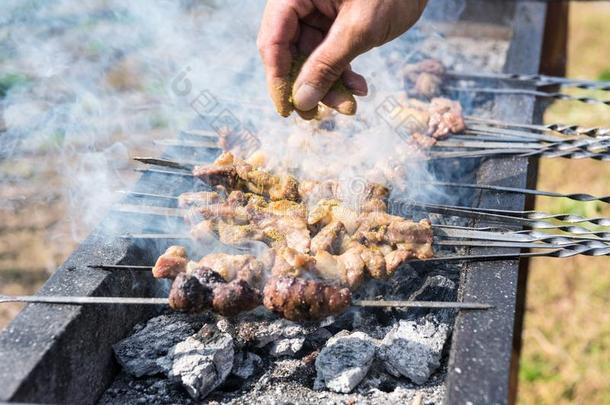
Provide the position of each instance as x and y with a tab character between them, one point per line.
566	352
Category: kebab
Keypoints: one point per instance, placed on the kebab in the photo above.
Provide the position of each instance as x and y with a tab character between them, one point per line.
225	287
424	79
372	241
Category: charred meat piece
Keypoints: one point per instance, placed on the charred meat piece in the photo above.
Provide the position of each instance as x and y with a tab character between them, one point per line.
188	294
274	230
396	258
204	289
298	299
171	263
235	297
383	228
427	122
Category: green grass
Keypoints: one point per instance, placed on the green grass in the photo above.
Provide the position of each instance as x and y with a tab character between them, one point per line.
565	357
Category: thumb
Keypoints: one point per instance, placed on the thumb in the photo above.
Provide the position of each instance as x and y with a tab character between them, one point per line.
325	66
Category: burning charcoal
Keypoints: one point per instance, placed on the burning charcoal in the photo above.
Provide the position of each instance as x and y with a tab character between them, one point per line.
260	332
435	287
171	263
287	347
413	349
139	352
305	300
344	361
201	362
245	364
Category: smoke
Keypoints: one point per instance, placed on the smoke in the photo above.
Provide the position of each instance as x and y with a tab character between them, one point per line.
89	84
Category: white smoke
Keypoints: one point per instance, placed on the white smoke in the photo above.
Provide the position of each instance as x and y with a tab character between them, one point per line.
94	82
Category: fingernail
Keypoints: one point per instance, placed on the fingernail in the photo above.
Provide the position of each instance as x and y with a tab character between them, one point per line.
307	97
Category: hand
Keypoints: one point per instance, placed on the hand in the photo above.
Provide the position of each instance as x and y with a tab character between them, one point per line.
331	33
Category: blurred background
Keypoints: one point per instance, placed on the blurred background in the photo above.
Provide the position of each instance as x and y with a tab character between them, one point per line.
566	351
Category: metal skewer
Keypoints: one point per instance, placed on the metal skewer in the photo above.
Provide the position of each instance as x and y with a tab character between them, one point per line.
534	93
566	148
538	216
564	129
165	163
439	209
536	79
572	196
557	253
532	219
67	300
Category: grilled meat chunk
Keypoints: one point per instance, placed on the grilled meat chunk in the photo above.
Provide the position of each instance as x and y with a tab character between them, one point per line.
198	199
188	294
298	299
289	262
235	267
330	238
348	268
171	263
424	78
205	289
235	174
445	117
235	297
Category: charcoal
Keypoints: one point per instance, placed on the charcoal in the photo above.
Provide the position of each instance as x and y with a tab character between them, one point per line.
245	364
138	353
344	361
201	362
287	347
436	287
413	349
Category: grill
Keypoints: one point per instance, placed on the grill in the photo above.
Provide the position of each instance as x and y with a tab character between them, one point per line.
64	353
